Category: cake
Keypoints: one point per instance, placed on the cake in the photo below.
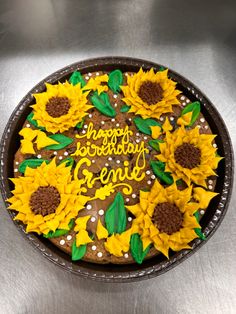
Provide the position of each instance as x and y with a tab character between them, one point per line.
115	167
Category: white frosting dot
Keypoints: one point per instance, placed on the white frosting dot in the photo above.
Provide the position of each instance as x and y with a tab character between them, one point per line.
115	105
199	126
184	103
153	177
130	218
210	187
55	153
148	172
94	247
214	145
126	255
202	212
115	96
182	98
90	115
187	101
85	126
202	120
101	212
69	237
118	161
112	120
89	74
97	73
206	127
106	164
89	206
127	199
87	77
15	170
117	124
60	157
130	119
161	118
137	134
93	219
17	162
137	141
210	182
83	132
149	182
134	195
28	125
172	118
93	161
66	153
145	138
126	74
109	158
99	254
39	156
62	242
102	122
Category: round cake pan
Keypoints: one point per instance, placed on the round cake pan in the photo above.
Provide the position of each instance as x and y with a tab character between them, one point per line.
155	266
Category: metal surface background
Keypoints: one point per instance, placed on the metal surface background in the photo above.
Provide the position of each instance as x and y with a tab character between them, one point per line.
195	38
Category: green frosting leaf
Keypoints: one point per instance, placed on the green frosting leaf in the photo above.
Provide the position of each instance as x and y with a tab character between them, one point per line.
59	232
161	69
115	80
198	231
102	103
143	125
76	78
115	216
194	107
136	247
78	252
124	108
61	139
80	124
158	168
32	163
30	118
155	144
69	161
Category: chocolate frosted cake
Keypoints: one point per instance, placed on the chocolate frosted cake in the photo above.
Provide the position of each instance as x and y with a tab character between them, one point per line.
115	167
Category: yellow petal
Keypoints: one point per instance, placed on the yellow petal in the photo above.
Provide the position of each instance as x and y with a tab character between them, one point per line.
81	223
27	147
185	119
43	140
166	125
28	133
203	197
156	131
82	238
101	232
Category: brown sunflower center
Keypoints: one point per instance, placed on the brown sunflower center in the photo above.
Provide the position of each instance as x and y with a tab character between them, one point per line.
167	218
58	106
150	92
188	156
45	200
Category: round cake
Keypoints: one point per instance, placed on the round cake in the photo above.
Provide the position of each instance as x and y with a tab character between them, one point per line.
115	167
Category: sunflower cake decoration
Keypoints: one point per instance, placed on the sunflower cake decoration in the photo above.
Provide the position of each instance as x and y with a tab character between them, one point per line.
115	167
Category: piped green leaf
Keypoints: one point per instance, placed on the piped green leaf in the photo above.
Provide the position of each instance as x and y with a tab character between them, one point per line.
59	232
198	231
155	144
69	161
62	140
102	103
136	247
115	80
115	216
161	69
158	168
76	78
143	125
32	163
78	252
195	108
124	108
30	118
80	124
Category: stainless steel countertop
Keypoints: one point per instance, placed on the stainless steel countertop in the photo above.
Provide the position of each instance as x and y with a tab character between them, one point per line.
195	38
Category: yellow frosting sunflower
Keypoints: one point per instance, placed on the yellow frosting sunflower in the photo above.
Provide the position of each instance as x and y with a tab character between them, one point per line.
61	107
150	94
47	198
189	155
165	216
